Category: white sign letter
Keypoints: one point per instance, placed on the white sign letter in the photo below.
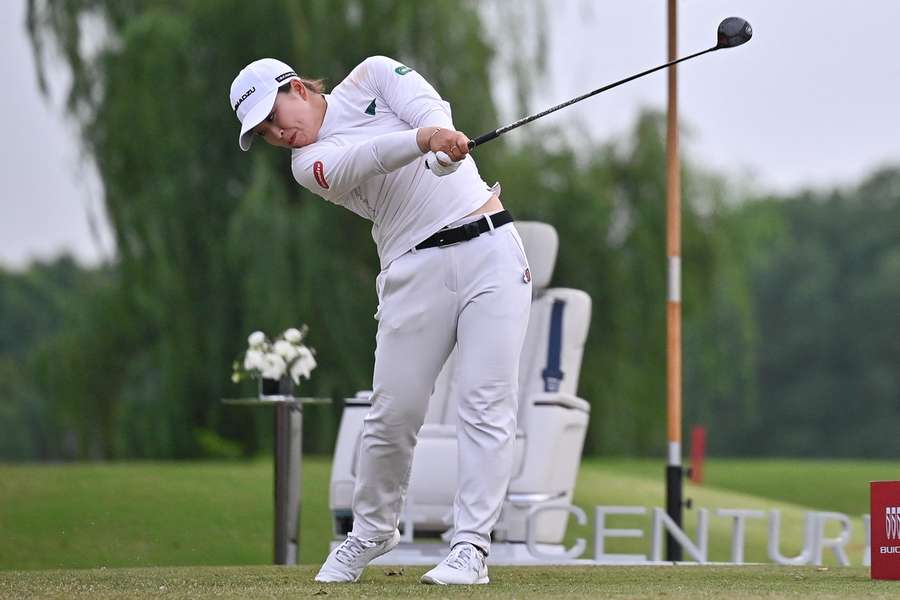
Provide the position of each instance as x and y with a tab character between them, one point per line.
601	532
662	521
531	533
836	544
775	533
867	550
738	529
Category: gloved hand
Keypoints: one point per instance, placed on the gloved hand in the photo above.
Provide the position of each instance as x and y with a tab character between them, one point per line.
441	164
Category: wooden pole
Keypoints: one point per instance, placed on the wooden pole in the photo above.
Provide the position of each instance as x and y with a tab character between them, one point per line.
674	476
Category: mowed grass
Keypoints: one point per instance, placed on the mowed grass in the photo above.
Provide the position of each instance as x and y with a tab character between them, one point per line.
829	485
671	583
220	513
143	513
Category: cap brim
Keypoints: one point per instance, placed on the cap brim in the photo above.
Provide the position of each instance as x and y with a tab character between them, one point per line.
256	116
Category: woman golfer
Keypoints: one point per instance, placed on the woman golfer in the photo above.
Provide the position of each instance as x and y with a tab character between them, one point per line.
453	273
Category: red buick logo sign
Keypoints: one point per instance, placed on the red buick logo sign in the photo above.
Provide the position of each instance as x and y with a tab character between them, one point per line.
885	529
892	522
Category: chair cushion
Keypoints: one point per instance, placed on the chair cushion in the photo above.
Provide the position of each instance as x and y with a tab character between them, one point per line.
575	317
437	446
541	245
574	312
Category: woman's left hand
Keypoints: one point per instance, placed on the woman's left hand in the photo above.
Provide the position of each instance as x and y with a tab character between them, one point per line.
457	145
453	143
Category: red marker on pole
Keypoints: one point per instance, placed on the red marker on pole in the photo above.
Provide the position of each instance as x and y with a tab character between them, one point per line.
698	453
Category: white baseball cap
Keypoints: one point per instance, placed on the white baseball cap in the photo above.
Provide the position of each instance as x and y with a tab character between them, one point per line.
253	94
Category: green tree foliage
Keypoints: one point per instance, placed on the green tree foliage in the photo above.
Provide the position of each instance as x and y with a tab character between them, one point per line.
839	273
213	243
791	325
36	420
811	368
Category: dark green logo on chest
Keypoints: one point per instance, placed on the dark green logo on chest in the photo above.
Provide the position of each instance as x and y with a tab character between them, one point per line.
402	70
371	109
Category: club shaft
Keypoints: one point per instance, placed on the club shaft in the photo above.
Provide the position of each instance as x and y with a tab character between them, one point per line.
498	132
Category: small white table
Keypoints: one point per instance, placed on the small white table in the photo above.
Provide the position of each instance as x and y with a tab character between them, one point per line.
288	464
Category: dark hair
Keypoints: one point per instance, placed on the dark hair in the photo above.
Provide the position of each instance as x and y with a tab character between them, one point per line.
313	85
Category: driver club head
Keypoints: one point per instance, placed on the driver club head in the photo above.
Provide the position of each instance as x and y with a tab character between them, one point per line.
733	31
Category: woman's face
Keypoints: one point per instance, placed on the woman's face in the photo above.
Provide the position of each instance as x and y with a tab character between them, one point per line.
295	118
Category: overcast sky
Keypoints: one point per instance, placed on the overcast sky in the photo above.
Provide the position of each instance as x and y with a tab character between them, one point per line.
812	100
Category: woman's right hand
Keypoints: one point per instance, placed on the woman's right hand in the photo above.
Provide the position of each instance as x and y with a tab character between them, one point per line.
440	164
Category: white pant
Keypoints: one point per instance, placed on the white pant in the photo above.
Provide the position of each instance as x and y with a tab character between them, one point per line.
475	294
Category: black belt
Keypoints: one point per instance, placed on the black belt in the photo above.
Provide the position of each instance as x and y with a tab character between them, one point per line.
466	232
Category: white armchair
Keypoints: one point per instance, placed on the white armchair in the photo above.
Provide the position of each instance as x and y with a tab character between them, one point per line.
552	420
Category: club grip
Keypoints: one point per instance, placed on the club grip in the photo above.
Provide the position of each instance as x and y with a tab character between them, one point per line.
481	139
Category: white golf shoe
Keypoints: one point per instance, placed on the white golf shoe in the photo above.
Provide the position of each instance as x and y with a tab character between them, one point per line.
347	561
463	566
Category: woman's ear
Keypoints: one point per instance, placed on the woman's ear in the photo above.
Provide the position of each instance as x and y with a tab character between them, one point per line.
298	87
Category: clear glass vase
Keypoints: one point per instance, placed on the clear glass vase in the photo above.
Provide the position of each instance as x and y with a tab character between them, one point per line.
273	389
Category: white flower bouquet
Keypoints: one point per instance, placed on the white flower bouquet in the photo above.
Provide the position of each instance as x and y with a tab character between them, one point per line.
276	364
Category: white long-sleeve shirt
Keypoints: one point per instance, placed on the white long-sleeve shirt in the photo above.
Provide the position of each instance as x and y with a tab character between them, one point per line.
366	157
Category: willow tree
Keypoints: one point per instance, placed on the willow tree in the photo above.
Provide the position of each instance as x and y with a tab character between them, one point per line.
211	242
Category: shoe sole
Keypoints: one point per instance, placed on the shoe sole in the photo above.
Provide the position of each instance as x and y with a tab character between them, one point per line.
427	579
317	580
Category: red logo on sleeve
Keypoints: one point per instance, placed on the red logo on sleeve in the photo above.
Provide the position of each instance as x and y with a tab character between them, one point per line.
319	173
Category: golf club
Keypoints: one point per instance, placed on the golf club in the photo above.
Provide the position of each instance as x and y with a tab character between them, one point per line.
732	32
